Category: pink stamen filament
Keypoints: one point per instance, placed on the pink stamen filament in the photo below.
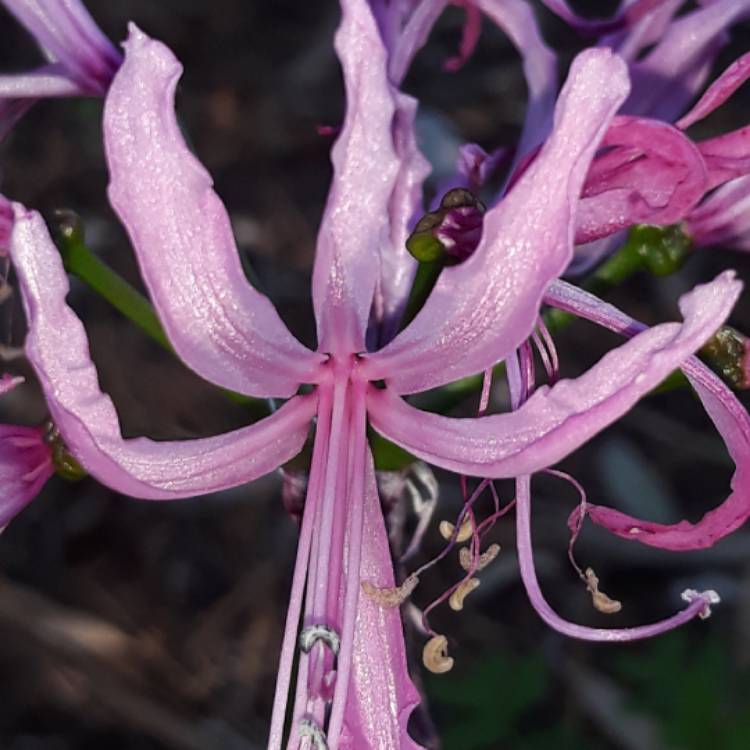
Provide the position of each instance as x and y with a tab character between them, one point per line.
289	644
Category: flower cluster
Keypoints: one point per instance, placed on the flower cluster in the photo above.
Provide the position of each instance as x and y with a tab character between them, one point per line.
606	152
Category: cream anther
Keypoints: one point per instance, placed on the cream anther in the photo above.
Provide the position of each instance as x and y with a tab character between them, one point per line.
599	599
391	597
709	597
308	728
456	601
446	530
314	633
465	558
435	655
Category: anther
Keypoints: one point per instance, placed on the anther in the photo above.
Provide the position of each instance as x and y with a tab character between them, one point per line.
456	601
435	655
599	599
446	530
308	728
314	633
391	597
709	597
466	559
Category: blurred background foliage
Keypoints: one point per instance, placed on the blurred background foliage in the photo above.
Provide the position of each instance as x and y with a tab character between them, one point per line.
133	625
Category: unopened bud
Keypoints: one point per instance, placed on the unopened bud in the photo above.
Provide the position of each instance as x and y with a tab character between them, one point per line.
69	225
663	250
452	232
66	466
727	353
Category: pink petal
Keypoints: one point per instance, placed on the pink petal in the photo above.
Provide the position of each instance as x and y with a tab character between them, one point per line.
397	266
557	420
219	325
482	309
365	169
627	15
726	412
727	156
381	694
724	217
718	92
57	348
676	69
25	466
518	21
49	80
413	36
653	175
644	32
67	33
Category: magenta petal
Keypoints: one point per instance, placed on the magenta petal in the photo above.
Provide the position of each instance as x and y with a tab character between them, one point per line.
666	80
518	21
726	412
49	80
724	217
25	462
67	33
25	466
718	92
57	347
482	309
397	266
219	325
366	166
653	174
627	15
381	694
727	156
557	420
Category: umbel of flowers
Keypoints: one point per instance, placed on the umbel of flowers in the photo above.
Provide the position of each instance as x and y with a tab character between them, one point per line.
343	637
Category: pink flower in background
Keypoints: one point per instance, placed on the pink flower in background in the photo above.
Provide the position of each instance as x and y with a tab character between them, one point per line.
353	689
25	462
80	59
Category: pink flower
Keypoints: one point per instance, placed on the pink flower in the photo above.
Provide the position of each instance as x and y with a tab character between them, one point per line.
80	59
25	462
353	689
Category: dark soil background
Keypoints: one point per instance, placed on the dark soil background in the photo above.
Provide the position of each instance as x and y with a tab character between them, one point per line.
127	624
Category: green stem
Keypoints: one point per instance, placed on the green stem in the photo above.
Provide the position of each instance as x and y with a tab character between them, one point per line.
424	282
82	263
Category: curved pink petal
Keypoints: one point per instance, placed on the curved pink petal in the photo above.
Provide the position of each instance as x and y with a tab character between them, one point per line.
57	347
25	462
724	217
381	694
218	324
25	466
629	14
555	421
413	36
518	21
666	80
718	92
397	266
355	223
726	412
653	174
49	80
67	33
481	310
727	156
645	31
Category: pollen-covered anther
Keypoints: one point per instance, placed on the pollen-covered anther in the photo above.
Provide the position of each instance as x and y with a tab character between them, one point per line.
709	597
446	530
466	559
456	601
308	728
435	655
602	603
391	597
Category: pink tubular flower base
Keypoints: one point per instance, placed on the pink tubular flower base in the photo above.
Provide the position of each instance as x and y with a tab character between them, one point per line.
352	686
